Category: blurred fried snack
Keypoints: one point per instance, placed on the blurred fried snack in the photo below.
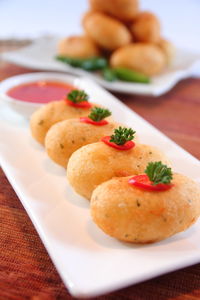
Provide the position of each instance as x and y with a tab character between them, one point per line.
124	10
85	16
146	28
106	31
148	59
168	48
78	46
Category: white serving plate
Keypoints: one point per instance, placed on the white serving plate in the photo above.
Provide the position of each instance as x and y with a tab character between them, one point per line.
90	262
41	55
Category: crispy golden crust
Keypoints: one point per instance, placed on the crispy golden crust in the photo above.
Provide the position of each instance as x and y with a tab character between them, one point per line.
51	113
78	47
124	10
67	136
106	31
145	58
146	28
95	163
168	49
134	215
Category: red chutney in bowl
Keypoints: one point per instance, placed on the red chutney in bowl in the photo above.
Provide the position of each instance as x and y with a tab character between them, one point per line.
41	91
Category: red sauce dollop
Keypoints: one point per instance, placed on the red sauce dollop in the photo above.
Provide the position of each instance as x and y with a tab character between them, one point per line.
90	121
127	146
42	91
143	182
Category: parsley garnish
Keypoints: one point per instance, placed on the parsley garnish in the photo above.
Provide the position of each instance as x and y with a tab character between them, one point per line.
122	135
159	173
97	114
77	96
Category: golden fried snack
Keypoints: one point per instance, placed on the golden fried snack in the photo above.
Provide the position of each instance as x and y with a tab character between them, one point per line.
124	10
106	31
146	28
67	136
145	58
78	47
51	113
85	16
93	164
168	48
134	215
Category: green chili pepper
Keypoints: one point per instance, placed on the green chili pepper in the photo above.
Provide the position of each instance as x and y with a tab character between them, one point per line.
109	74
132	76
89	64
95	63
101	63
75	62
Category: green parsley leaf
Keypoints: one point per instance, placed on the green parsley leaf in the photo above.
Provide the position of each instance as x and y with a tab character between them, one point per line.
159	173
122	135
97	114
77	96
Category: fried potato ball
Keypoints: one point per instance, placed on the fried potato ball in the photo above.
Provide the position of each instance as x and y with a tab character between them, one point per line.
168	49
51	113
134	215
145	58
78	47
93	164
67	136
86	15
124	10
106	31
146	28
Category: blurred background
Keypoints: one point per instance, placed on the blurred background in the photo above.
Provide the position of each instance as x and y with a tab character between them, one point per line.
29	19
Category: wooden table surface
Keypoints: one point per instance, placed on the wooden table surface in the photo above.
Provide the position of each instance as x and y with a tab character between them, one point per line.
26	271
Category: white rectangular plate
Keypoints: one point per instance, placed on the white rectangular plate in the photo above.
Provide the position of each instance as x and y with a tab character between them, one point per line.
90	262
41	55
